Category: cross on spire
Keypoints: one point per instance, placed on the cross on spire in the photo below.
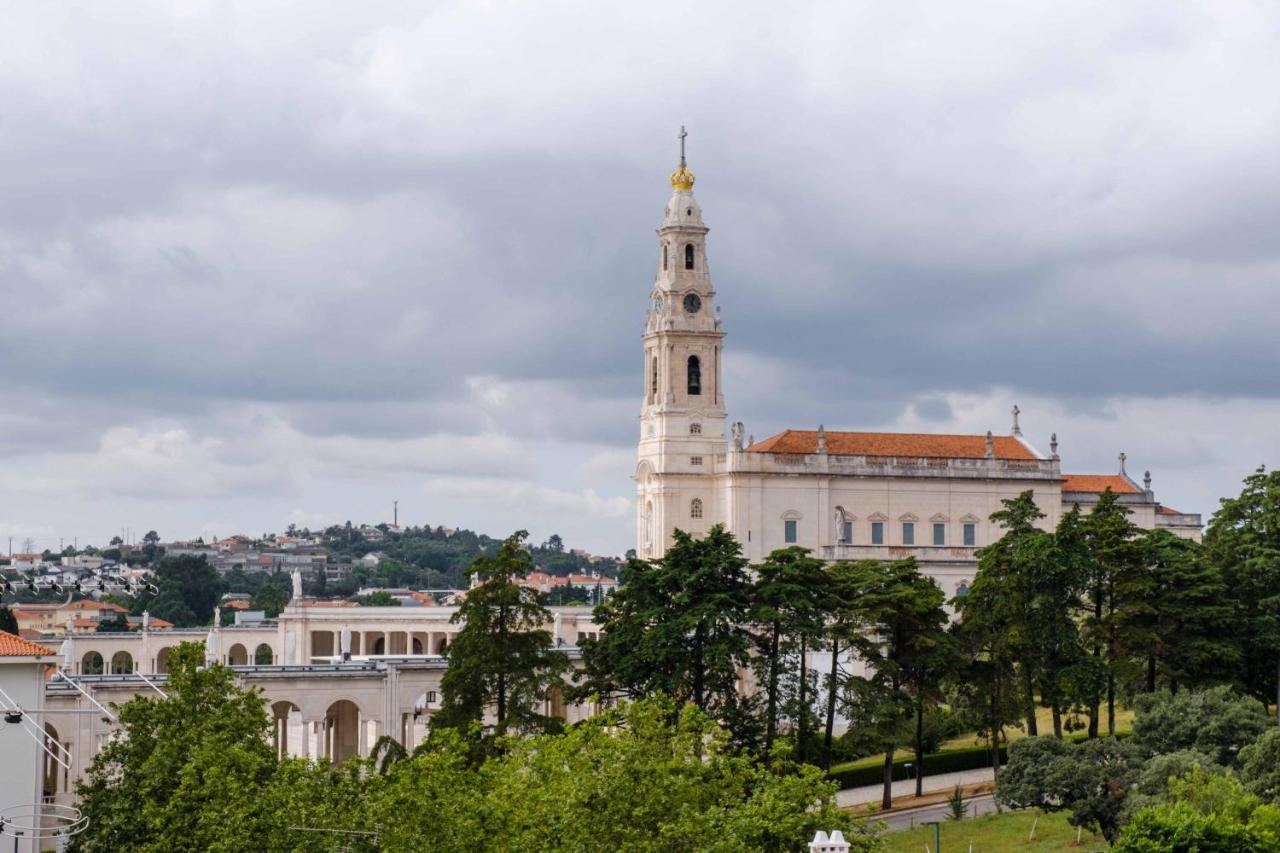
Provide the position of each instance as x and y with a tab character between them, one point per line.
681	137
1017	430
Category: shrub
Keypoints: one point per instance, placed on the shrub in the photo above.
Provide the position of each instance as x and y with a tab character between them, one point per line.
1260	766
1218	722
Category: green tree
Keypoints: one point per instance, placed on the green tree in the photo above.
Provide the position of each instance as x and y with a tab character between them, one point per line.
1005	589
787	603
1217	722
644	777
1260	766
847	632
186	772
8	622
1189	634
1205	813
1117	590
1090	779
270	598
502	656
906	621
677	627
1243	542
189	590
379	598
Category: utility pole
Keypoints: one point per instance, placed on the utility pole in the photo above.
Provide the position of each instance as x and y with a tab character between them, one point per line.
395	513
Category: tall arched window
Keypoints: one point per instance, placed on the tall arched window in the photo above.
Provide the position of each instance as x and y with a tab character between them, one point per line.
688	256
664	256
695	375
653	380
648	524
695	508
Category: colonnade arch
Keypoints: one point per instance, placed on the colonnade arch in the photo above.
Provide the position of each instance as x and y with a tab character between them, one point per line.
121	663
263	655
91	664
237	655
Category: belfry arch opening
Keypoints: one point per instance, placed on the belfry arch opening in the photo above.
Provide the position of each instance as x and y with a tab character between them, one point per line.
695	375
688	256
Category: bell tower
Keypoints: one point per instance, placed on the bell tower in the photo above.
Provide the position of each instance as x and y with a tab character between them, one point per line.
682	418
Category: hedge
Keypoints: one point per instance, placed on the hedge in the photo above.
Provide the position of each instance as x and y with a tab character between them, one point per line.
951	761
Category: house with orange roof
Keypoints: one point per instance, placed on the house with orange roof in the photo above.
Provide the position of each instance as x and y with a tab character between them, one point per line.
843	494
84	615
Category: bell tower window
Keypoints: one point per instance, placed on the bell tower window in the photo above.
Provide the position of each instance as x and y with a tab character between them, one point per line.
653	381
695	375
664	257
688	256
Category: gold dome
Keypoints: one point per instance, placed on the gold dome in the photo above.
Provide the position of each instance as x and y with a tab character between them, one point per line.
682	179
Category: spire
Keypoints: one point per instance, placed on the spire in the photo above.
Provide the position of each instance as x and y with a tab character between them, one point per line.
1017	430
682	179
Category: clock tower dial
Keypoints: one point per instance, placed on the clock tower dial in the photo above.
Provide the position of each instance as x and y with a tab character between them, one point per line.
692	303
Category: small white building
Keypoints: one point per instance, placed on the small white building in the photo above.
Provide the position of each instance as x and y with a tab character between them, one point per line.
25	766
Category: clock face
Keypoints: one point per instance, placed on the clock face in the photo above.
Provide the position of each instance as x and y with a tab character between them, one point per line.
692	303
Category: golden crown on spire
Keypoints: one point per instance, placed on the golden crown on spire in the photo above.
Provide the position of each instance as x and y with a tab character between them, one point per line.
682	179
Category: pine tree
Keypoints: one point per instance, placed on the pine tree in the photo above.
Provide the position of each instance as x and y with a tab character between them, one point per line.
1243	542
677	626
1118	584
787	603
907	623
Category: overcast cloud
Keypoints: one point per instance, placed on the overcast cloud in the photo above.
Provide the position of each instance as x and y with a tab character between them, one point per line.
269	262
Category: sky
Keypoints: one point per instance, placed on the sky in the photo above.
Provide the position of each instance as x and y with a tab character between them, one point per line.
267	263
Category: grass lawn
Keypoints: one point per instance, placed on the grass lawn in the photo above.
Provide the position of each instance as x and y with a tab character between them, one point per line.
997	833
1044	721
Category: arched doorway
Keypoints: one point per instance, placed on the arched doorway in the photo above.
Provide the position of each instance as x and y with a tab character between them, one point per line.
417	646
162	660
379	646
91	664
290	731
121	663
415	726
342	731
237	655
263	656
442	645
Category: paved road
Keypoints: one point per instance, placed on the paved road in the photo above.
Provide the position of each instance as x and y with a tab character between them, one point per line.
979	805
906	787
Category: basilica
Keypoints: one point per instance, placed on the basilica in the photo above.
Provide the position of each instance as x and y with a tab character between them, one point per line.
844	495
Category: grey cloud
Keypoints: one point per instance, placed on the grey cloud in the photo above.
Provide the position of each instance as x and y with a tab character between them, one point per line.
346	217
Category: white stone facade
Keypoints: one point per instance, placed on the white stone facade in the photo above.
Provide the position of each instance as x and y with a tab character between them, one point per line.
841	505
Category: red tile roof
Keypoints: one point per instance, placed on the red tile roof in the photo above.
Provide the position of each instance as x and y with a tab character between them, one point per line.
13	646
894	444
1168	510
1098	483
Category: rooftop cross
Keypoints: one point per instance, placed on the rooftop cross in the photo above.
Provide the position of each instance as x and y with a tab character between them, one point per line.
683	134
1017	430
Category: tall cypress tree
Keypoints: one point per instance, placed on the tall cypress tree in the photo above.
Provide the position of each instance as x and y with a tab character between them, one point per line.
502	658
